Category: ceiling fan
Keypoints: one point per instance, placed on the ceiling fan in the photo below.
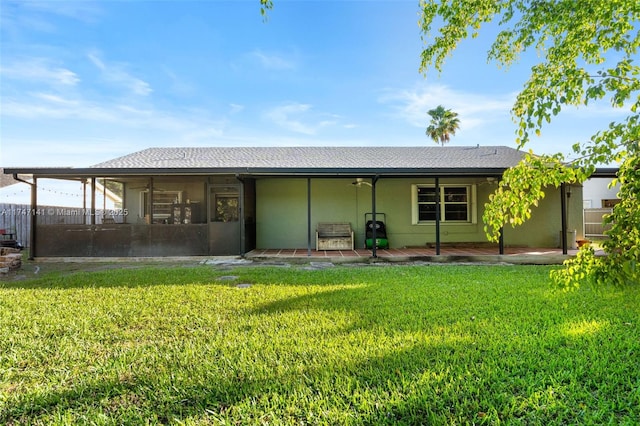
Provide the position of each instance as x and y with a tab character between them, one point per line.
359	182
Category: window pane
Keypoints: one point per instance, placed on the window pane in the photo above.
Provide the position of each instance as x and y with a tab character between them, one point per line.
455	195
427	212
426	195
455	212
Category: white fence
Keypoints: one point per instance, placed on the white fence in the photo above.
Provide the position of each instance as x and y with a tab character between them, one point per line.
593	226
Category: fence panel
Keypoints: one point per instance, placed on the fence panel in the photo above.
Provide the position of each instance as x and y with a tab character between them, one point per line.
593	226
16	218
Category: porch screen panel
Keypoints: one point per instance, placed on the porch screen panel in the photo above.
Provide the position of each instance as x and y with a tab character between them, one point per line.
226	208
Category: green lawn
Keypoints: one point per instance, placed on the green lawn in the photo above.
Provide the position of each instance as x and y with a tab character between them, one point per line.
343	345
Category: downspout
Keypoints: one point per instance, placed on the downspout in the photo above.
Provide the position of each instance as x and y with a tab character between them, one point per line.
93	200
308	217
84	202
374	242
437	216
501	238
150	201
34	206
563	210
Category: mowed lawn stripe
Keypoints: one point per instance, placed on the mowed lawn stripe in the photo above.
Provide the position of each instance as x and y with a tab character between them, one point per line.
405	344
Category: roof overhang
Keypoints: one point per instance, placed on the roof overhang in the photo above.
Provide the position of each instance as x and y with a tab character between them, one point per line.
78	173
605	172
89	172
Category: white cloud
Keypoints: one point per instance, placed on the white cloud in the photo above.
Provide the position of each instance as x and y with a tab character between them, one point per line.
39	70
299	118
282	116
132	111
19	17
235	108
87	114
272	61
85	11
474	109
55	99
41	106
115	73
62	151
14	24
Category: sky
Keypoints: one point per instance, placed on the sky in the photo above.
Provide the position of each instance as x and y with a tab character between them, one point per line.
83	82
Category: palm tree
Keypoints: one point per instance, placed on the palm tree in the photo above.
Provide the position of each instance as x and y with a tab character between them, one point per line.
444	123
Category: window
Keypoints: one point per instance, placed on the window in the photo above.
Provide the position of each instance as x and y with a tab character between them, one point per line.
456	202
610	202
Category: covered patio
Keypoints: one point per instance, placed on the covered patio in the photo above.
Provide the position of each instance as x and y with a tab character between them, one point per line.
514	255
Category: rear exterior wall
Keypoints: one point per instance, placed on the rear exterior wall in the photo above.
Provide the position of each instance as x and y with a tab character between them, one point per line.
282	212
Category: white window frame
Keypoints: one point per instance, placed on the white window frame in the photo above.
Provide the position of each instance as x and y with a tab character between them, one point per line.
472	211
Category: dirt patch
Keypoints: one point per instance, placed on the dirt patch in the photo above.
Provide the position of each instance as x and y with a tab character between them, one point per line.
31	269
34	269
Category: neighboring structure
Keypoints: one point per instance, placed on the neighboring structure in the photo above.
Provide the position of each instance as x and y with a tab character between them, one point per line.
229	201
599	197
6	180
597	193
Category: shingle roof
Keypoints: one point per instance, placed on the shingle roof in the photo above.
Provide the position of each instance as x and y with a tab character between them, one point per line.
466	157
6	180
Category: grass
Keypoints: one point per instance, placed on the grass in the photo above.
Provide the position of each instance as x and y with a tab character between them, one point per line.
343	345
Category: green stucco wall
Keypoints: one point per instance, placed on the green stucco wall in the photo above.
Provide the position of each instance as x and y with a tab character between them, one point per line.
281	213
544	227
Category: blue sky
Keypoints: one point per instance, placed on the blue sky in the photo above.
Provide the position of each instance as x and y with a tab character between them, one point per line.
85	81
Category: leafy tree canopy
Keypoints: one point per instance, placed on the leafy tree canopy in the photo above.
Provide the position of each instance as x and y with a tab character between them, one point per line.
587	52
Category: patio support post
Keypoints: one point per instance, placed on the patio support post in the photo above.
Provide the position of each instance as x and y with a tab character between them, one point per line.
374	242
84	201
32	216
241	218
563	208
34	222
150	201
437	216
309	217
93	200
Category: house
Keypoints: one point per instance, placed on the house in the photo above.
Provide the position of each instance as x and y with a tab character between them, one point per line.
229	201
